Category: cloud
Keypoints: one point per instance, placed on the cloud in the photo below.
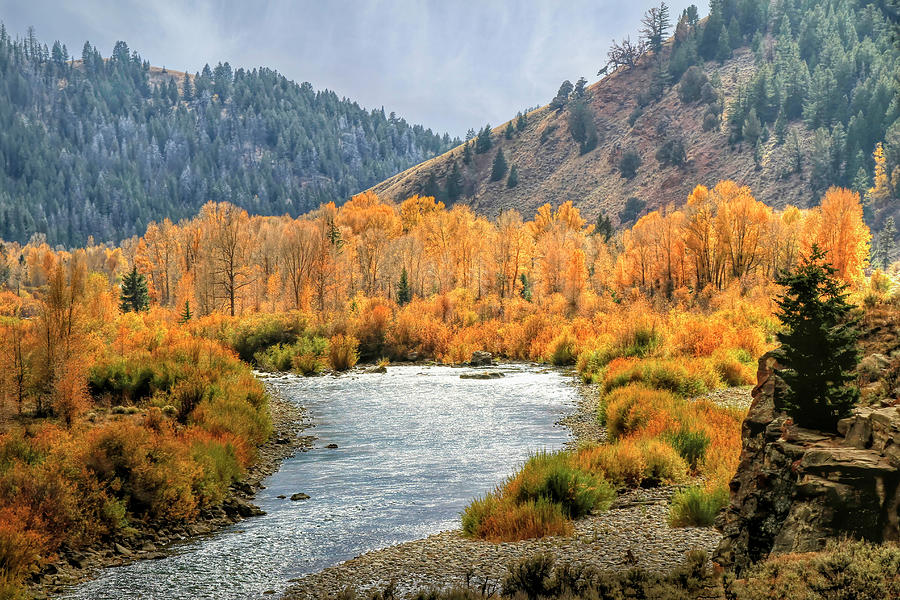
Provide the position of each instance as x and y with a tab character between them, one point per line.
448	65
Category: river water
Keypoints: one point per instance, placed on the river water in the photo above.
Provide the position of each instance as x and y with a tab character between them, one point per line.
414	446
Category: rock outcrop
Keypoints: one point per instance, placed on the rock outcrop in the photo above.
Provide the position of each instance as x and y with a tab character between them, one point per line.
796	488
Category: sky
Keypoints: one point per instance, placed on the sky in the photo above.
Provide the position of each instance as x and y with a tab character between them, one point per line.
449	65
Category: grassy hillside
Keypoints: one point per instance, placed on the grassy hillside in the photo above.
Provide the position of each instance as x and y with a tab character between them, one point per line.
834	149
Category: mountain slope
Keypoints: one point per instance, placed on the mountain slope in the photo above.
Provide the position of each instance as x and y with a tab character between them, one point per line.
844	103
101	146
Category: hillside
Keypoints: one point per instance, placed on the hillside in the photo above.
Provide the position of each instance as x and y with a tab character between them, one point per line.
839	101
100	146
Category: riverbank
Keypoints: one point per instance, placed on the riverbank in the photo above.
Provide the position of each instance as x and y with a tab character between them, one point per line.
150	541
634	532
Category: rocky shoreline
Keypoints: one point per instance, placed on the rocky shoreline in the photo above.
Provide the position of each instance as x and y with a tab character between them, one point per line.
149	541
633	533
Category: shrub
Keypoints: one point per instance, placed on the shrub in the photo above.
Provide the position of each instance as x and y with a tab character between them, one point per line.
672	152
630	408
845	569
674	376
690	445
529	576
256	333
497	520
731	370
551	477
662	464
309	355
697	507
691	85
629	164
563	349
620	463
275	358
342	352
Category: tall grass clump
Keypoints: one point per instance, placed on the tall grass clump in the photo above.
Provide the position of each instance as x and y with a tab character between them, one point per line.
691	445
343	352
550	476
696	506
540	499
687	378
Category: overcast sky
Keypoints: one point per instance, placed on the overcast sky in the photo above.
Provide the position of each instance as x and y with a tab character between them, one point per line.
446	64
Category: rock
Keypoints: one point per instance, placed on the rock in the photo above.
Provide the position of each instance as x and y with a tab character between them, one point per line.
299	496
487	375
120	549
241	508
331	446
481	358
281	496
377	369
796	488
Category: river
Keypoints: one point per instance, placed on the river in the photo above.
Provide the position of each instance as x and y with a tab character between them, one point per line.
414	445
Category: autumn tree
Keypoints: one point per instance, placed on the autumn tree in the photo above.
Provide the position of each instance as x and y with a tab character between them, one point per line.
226	234
838	229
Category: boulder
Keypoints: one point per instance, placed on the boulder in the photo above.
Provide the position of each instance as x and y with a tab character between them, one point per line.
796	488
481	358
299	496
485	375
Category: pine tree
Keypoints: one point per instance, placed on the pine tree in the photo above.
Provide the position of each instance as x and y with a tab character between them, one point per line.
884	244
186	314
723	48
526	287
604	227
818	345
513	179
467	153
509	131
521	122
404	295
454	183
186	94
483	142
499	168
134	296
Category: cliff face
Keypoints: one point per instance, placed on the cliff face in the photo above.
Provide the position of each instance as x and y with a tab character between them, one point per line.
796	488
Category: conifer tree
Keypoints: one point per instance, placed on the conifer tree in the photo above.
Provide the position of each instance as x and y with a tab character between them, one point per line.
404	294
134	296
521	122
483	142
604	227
513	179
499	168
186	94
467	153
884	244
526	287
818	345
509	131
186	314
454	183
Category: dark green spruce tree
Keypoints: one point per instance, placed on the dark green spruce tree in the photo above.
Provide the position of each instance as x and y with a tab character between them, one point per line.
499	168
404	294
134	296
818	345
513	179
186	314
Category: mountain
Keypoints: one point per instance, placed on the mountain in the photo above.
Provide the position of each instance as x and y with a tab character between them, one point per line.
101	146
788	99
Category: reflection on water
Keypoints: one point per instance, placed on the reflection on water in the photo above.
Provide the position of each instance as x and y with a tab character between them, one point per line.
414	445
